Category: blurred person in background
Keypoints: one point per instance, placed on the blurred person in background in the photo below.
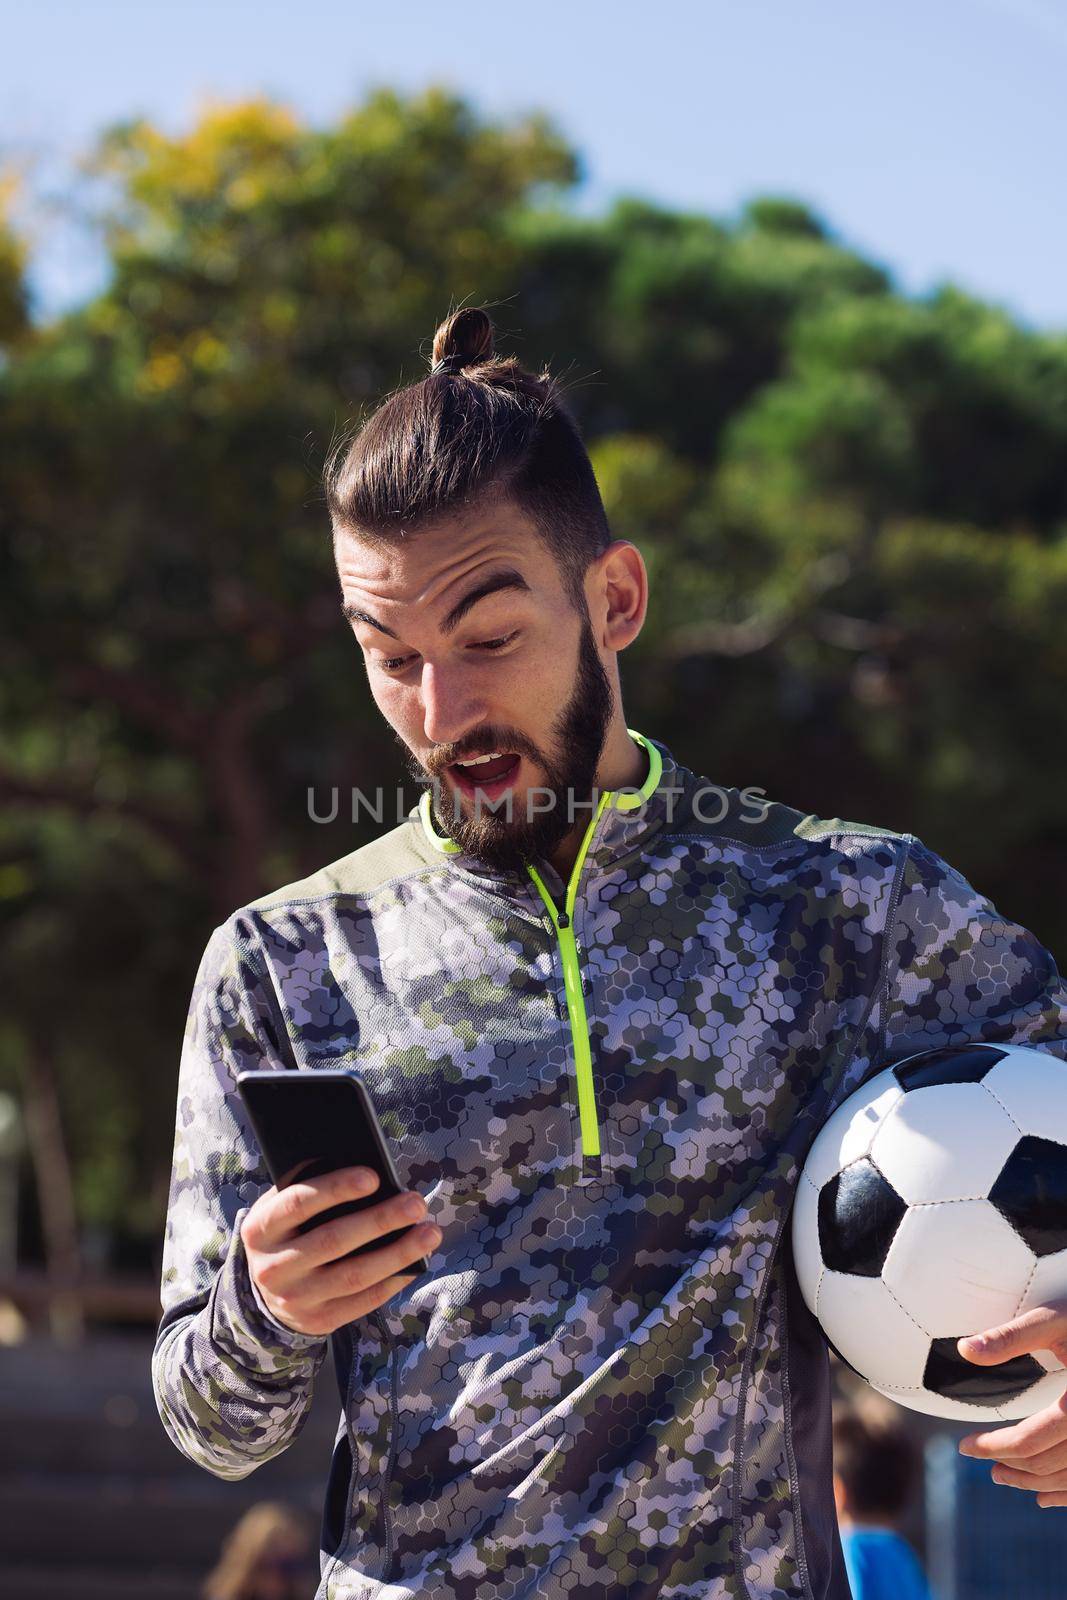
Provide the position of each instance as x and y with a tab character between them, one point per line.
876	1471
268	1555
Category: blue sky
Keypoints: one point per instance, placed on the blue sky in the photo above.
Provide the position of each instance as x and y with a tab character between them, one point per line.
929	134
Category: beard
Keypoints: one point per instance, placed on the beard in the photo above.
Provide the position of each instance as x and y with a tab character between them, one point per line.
508	842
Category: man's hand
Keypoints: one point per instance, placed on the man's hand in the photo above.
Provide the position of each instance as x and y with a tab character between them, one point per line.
1031	1454
299	1275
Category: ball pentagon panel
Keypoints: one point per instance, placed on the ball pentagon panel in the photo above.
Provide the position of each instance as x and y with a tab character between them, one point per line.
859	1213
950	1374
1030	1192
955	1063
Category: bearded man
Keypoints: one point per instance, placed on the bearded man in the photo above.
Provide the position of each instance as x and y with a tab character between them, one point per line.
602	1006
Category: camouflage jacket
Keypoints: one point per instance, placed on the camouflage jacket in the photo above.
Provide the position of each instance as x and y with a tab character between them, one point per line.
607	1385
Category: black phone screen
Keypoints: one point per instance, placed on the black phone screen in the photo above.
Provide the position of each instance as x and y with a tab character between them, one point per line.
312	1122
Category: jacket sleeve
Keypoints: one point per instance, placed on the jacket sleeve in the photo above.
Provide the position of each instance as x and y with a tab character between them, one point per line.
233	1386
960	973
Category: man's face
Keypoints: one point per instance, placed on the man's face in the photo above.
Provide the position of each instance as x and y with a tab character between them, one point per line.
473	648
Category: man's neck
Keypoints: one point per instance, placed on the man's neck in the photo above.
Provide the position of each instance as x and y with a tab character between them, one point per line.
623	765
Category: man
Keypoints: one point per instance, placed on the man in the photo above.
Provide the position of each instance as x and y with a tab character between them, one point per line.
602	1007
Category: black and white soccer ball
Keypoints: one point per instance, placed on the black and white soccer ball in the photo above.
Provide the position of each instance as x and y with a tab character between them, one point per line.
932	1205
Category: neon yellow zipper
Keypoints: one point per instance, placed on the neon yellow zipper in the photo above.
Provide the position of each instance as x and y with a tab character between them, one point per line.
572	983
623	800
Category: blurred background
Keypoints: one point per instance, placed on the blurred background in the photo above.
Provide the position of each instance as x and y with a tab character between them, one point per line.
803	273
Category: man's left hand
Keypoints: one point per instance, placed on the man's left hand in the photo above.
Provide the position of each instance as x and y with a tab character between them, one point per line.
1031	1454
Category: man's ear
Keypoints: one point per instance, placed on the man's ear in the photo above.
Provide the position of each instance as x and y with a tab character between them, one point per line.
619	600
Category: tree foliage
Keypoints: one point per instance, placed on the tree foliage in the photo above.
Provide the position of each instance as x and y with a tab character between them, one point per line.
853	506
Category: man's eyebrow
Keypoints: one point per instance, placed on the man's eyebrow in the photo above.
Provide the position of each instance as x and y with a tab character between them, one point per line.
355	615
508	579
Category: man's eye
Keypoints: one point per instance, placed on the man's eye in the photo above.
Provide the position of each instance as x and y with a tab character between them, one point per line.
396	663
495	644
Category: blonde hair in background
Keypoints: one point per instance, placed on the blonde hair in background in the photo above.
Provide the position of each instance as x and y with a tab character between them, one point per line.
265	1528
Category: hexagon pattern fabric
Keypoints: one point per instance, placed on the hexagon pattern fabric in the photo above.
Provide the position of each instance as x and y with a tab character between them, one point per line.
607	1385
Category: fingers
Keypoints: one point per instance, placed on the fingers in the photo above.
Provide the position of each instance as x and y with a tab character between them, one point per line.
1039	1329
1049	1487
277	1215
335	1313
352	1289
1030	1455
1020	1441
309	1280
1045	1461
333	1239
285	1270
359	1273
1036	1482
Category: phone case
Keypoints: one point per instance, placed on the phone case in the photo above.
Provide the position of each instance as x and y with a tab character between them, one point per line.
316	1121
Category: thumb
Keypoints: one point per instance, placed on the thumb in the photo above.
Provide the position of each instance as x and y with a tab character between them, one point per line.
1040	1329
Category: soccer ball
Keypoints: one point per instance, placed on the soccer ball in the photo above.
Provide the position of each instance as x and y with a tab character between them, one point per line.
933	1204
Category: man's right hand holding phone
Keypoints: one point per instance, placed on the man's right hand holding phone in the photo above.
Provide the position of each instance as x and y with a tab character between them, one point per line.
300	1277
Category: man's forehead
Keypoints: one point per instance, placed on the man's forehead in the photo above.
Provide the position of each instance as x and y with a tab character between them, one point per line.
423	569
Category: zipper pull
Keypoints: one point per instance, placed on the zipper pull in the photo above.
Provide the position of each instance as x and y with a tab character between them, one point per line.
563	921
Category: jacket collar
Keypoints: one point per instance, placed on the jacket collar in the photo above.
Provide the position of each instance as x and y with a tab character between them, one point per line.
624	819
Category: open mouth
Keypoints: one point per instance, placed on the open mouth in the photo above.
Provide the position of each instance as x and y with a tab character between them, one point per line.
491	774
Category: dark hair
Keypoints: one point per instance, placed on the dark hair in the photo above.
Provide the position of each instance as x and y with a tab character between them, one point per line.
877	1463
477	429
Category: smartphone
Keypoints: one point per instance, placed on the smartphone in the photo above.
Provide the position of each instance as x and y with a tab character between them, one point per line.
312	1122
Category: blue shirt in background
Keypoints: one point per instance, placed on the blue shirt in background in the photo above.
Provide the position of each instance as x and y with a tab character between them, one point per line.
882	1566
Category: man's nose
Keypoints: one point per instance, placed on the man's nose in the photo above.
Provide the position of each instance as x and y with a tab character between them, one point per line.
450	708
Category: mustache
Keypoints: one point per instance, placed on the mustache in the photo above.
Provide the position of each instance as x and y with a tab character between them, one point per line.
483	745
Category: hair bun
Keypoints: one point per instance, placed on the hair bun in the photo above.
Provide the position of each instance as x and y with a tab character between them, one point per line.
464	339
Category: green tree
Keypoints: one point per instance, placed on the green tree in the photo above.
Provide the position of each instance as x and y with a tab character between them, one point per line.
853	506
